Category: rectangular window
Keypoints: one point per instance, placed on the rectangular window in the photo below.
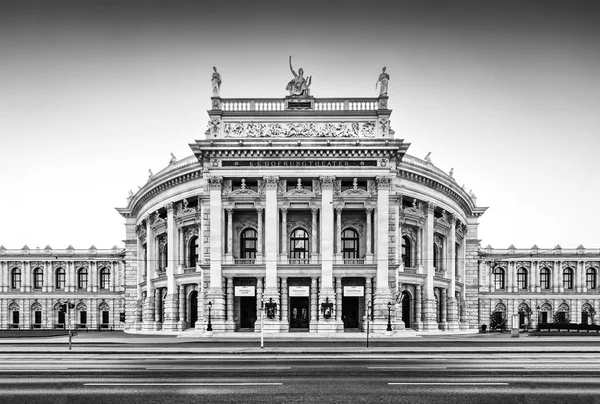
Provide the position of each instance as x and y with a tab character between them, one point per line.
568	279
60	279
82	280
590	279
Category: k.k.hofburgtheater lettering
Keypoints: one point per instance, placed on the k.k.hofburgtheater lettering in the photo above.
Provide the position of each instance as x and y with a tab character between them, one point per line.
300	163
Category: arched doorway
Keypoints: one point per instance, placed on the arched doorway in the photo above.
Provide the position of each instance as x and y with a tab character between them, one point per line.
406	309
193	308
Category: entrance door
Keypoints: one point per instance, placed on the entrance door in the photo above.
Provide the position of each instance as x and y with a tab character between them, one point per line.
37	319
406	309
521	319
83	318
350	311
299	312
584	317
15	318
105	320
247	311
544	317
61	319
193	308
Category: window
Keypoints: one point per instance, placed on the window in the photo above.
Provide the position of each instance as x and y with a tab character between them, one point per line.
82	278
522	278
568	278
193	252
104	278
590	278
406	252
350	244
299	244
456	260
545	278
59	280
248	244
163	257
15	279
38	278
498	278
436	256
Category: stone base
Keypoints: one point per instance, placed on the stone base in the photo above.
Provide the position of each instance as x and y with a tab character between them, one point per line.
430	326
273	326
330	326
453	326
313	326
170	325
151	326
418	325
443	326
464	326
182	325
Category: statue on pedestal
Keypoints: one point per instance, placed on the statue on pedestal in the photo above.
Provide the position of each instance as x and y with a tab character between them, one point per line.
298	86
216	83
383	83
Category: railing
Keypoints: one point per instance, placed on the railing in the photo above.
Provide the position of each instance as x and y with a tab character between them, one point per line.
409	270
278	104
526	252
299	261
354	261
66	251
189	270
244	261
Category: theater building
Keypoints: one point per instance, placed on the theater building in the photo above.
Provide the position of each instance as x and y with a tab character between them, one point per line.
310	211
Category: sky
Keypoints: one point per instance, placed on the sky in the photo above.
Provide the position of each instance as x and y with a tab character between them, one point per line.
95	93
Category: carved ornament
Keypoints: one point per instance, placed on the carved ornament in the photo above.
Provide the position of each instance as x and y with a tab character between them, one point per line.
104	264
592	264
569	264
215	182
226	186
58	264
82	264
271	183
327	182
298	129
523	264
36	264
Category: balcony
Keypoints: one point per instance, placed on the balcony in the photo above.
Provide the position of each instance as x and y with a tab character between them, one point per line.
409	270
299	261
354	261
244	261
189	270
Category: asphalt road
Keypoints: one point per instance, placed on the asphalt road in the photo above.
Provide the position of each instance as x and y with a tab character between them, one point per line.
192	378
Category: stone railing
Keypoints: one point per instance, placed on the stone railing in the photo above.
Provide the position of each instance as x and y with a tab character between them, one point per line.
244	261
188	161
299	261
409	270
416	162
322	104
525	253
354	261
67	251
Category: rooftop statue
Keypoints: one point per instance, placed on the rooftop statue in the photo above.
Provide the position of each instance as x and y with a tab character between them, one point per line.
383	83
216	83
298	86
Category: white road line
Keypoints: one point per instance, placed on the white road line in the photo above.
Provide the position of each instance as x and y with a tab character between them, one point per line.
183	384
448	384
413	367
222	368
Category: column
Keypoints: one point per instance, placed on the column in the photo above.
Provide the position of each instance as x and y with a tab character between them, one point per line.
47	271
383	293
230	303
182	307
201	253
443	307
419	251
157	306
182	261
94	276
140	270
26	277
259	241
284	235
338	299
583	278
399	234
170	315
429	315
313	305
452	304
369	241
259	303
284	304
555	271
578	277
271	244
5	276
561	286
338	235
150	273
533	277
327	237
215	291
418	307
229	254
314	237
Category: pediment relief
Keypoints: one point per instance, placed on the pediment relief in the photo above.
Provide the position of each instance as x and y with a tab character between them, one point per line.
299	192
356	192
243	191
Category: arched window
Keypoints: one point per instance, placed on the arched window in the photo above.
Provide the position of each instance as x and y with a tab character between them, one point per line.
406	252
350	244
104	278
38	278
299	244
193	252
568	278
59	278
15	278
82	278
545	278
590	278
498	278
522	278
248	244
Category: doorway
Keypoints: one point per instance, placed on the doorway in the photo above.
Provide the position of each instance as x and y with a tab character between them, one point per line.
406	309
521	319
584	317
105	319
37	319
299	312
61	320
193	308
247	311
350	311
543	317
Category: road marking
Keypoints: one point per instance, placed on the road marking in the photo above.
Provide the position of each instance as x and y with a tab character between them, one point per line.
182	384
448	384
222	368
414	367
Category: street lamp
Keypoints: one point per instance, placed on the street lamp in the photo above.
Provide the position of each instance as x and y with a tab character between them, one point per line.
538	317
389	326
209	325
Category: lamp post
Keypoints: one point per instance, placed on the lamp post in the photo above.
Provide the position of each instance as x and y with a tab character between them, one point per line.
209	325
389	325
538	317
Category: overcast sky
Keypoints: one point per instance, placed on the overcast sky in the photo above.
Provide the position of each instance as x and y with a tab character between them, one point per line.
93	94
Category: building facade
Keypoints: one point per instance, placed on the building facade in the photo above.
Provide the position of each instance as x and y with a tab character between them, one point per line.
310	211
49	288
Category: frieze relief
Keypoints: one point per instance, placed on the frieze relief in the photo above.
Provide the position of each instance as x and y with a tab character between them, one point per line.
592	264
297	129
104	264
36	264
415	209
569	264
356	225
226	187
523	264
245	223
316	186
214	125
190	232
411	233
82	264
546	264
